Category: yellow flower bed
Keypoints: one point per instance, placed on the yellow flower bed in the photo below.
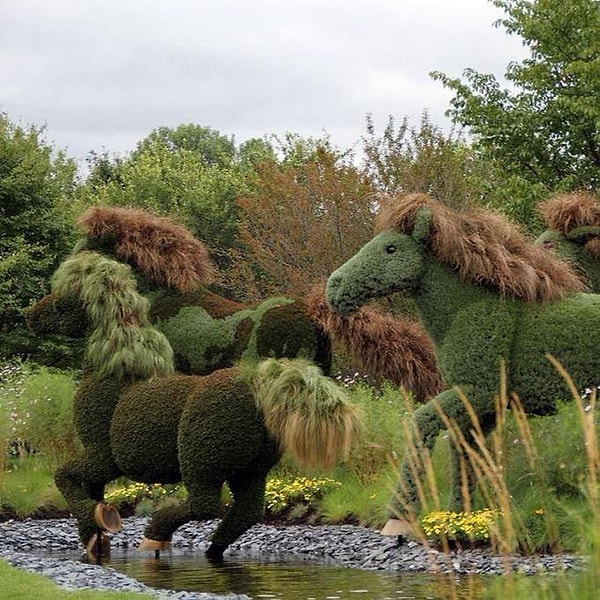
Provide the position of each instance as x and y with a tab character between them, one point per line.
474	526
284	493
280	493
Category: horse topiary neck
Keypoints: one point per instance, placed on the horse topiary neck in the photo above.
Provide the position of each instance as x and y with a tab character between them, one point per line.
442	294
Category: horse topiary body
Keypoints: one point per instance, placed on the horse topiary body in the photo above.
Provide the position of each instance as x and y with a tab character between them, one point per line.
487	296
137	418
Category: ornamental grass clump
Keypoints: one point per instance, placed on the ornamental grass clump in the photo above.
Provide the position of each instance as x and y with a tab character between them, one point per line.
526	509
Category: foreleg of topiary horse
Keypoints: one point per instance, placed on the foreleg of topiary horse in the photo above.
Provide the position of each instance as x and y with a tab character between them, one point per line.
81	482
248	492
428	421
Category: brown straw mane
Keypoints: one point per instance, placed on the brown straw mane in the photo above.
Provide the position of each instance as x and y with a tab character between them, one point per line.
162	250
398	350
568	211
487	249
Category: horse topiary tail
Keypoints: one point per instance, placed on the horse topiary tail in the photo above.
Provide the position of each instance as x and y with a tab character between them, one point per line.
122	344
308	413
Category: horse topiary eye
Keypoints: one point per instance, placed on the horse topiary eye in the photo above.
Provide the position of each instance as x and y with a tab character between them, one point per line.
390	249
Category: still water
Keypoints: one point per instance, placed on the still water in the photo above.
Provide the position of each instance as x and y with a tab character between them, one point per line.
275	579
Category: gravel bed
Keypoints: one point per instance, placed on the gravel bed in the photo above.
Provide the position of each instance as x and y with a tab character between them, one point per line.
29	545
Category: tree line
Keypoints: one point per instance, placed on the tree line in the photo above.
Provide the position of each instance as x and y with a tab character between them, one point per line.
279	214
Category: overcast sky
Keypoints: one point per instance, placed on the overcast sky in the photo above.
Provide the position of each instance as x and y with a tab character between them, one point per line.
102	74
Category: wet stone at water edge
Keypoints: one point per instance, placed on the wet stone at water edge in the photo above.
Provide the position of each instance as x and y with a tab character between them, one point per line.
41	546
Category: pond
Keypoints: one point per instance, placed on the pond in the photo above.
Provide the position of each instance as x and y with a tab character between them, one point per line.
282	579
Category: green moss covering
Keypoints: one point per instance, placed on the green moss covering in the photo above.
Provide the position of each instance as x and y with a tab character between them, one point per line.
285	331
277	327
475	329
573	249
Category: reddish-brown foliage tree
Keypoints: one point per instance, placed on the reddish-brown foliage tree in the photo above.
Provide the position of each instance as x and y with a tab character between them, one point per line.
300	222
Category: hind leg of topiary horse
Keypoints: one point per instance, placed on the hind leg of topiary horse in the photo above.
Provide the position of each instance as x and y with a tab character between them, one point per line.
81	482
428	421
203	502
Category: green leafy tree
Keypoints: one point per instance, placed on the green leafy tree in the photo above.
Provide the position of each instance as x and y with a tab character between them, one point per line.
191	173
424	160
36	187
543	132
213	148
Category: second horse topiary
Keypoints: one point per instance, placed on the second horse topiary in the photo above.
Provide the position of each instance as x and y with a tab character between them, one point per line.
488	297
136	418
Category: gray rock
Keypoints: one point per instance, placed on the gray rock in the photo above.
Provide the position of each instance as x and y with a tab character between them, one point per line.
28	545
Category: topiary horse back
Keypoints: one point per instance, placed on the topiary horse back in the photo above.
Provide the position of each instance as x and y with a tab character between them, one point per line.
137	419
486	295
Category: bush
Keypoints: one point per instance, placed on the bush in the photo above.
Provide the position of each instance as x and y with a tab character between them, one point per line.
36	410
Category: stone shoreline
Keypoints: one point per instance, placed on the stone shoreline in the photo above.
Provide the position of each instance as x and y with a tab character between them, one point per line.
30	545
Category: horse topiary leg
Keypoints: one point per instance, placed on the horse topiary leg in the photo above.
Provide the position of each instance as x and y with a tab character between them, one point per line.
248	491
204	502
425	427
81	482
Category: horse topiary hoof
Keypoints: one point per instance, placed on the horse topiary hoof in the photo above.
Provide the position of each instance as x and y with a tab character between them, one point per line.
98	547
107	517
154	545
215	553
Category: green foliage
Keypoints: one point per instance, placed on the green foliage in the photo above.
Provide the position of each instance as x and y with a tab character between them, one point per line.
36	411
27	489
404	159
383	410
544	131
35	186
45	414
191	173
211	147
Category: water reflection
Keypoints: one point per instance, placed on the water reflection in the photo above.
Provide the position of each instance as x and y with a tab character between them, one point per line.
279	579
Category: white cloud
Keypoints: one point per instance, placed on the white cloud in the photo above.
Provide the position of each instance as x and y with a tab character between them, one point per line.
104	73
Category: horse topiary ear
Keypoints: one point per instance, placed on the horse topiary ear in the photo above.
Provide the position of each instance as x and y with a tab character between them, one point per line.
422	227
584	233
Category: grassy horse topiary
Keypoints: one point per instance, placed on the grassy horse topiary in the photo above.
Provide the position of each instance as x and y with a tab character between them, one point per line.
487	296
573	222
208	331
137	418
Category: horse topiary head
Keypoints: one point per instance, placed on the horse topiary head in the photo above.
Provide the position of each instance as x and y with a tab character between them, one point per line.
96	297
484	248
392	261
573	222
